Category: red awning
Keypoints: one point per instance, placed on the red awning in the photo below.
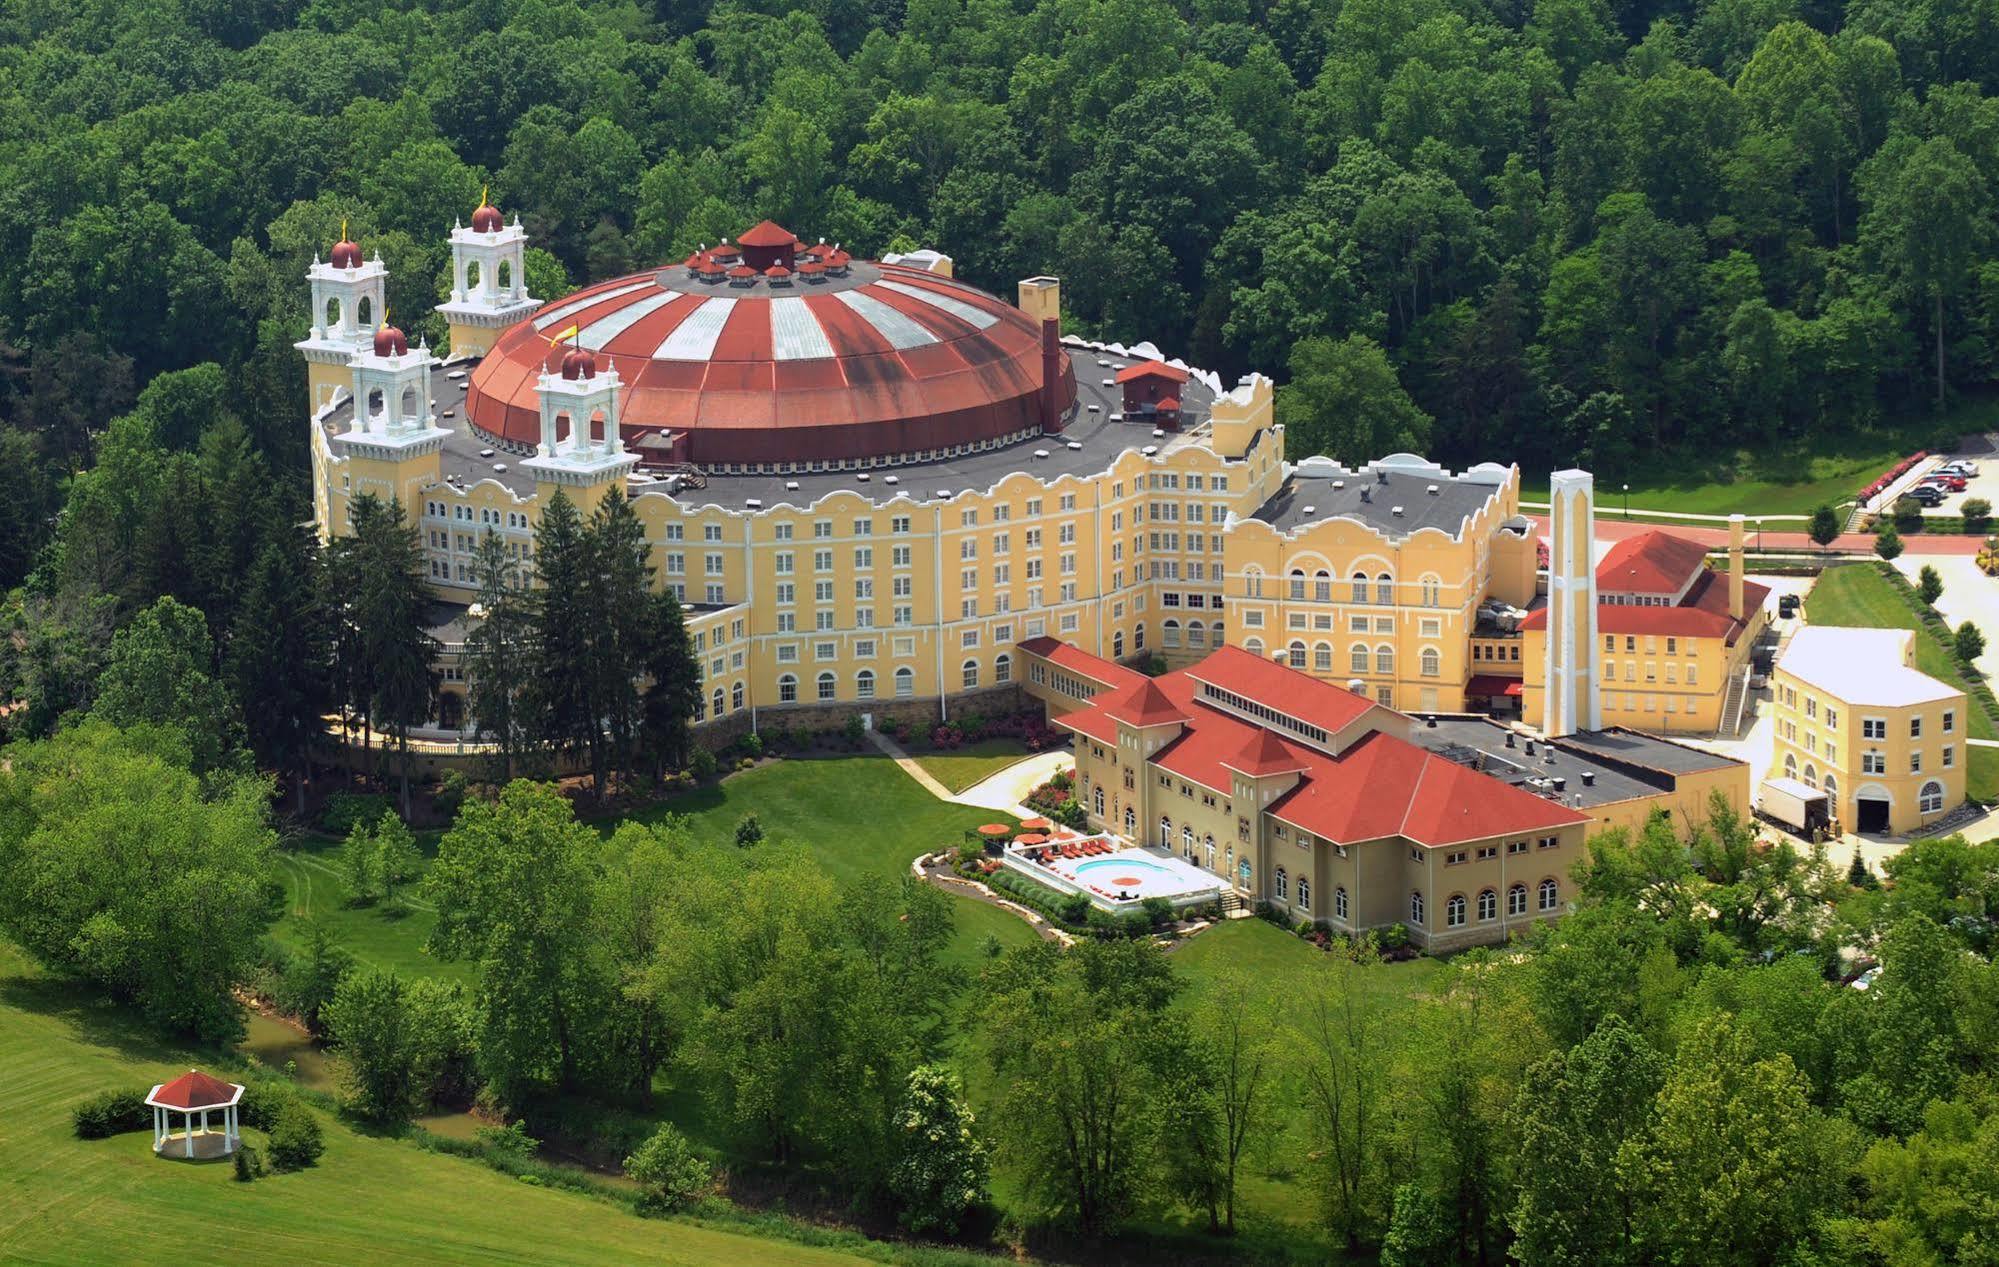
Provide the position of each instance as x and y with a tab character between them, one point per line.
1492	686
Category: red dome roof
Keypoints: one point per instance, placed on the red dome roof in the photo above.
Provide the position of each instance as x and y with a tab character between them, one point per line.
345	254
487	219
578	363
887	360
389	341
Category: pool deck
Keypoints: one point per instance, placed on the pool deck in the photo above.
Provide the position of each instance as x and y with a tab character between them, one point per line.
1064	876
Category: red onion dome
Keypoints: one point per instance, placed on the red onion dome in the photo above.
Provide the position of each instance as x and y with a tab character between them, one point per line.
346	254
389	341
487	219
578	363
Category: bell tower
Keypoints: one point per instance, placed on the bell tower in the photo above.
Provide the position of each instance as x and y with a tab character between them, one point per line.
392	445
575	401
347	298
489	288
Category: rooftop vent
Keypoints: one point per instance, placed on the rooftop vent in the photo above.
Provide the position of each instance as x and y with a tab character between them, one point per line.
1395	510
1041	453
943	492
1561	785
1149	450
1509	738
1307	510
1530	747
1381	477
864	477
1589	778
891	479
501	467
1158	434
1548	754
1433	490
1367	495
1075	444
1339	483
1429	723
754	503
791	485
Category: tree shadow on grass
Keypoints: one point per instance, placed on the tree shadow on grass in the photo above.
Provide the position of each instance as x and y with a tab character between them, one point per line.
95	1018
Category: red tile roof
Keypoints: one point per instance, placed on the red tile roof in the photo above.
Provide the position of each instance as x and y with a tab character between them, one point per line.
1068	655
196	1090
1380	786
1143	705
1151	369
1650	563
767	233
1703	613
1264	755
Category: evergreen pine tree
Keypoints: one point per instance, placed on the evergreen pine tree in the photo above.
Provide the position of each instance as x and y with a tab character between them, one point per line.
278	658
673	684
498	652
394	602
619	601
558	713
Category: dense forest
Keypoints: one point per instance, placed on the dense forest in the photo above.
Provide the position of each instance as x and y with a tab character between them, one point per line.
1571	229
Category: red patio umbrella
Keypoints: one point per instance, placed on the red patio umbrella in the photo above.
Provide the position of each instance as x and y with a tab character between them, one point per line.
995	830
1035	824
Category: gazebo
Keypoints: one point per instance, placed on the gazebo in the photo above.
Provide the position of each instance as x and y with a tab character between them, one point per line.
195	1092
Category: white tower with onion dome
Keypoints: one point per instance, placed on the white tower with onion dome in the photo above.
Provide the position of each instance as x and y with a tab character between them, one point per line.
391	446
348	295
489	285
580	447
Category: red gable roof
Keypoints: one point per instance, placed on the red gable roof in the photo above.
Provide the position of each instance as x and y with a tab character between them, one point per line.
1152	369
1380	786
1702	613
1068	655
1650	563
1143	705
196	1090
767	233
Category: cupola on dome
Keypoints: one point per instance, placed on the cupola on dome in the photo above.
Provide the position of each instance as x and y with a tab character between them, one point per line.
578	363
390	341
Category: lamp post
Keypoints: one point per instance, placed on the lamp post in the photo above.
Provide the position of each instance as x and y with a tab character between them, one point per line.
1627	503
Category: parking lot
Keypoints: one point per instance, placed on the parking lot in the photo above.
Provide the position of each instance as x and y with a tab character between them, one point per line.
1985	484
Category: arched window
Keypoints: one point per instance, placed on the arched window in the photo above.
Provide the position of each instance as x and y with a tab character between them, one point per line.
1454	910
1298	584
364	312
1549	892
1322	586
1254	646
969	671
1003	667
504	278
1098	803
1360	587
333	314
1186	841
1165	832
1811	775
1790	765
1432	663
1930	799
1416	908
905	682
1488	905
1384	589
1832	793
1432	591
1357	658
864	684
1516	900
1117	645
1297	653
718	701
472	275
1208	851
1322	657
1252	582
736	696
787	689
1197	634
1170	633
1340	903
1283	883
827	688
1242	874
1384	659
1130	823
1304	894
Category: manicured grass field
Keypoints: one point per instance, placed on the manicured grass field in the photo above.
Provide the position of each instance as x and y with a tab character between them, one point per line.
370	1200
972	763
1778	482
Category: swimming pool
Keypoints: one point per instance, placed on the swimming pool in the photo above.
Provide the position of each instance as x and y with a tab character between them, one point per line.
1124	878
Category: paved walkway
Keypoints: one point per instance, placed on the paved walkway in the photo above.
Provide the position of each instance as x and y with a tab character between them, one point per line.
1609	528
1003	791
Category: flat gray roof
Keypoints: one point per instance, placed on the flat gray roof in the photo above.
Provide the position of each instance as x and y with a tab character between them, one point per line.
1308	497
1623	764
465	459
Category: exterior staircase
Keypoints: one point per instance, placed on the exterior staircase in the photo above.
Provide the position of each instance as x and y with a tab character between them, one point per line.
1733	703
1234	906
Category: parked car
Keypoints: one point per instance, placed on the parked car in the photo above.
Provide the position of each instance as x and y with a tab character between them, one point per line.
1949	483
1927	495
1966	469
1787	606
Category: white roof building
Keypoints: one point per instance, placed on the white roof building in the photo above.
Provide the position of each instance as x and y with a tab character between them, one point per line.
1862	666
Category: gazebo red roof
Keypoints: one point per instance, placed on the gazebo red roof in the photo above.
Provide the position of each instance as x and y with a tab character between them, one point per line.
742	270
767	233
196	1090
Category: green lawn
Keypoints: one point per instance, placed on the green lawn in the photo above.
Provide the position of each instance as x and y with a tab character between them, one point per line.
1789	480
1858	594
370	1200
972	763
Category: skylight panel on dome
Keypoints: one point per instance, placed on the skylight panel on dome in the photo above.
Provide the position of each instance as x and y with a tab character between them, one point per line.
695	337
563	311
889	323
977	317
601	331
795	334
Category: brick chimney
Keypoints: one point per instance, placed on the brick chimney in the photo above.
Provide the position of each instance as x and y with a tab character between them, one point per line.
1051	376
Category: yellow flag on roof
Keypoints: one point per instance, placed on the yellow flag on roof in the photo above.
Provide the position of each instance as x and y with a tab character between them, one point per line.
570	333
483	190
